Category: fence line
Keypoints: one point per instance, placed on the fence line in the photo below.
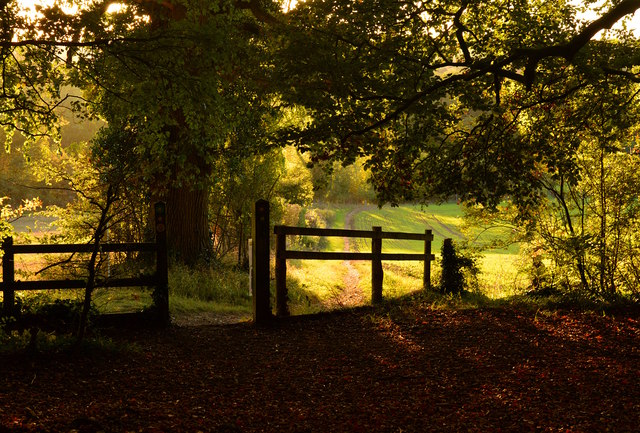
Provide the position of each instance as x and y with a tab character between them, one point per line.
159	279
376	256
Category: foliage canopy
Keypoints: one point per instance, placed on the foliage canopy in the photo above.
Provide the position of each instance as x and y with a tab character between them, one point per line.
438	96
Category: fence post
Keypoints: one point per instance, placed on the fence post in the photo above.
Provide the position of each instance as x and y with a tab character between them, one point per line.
282	308
8	277
162	266
377	274
428	237
260	279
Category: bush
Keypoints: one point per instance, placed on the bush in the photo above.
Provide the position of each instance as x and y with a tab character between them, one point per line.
454	266
55	317
47	314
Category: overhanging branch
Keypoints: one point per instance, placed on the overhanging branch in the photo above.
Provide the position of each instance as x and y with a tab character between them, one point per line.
531	56
571	48
75	44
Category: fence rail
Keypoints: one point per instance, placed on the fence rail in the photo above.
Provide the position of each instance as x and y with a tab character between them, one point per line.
376	256
10	285
347	233
83	248
322	255
159	279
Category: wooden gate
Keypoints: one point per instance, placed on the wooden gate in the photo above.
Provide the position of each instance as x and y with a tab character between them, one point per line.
376	256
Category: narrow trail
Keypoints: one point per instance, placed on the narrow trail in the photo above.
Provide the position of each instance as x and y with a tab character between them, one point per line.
428	221
209	318
455	233
352	293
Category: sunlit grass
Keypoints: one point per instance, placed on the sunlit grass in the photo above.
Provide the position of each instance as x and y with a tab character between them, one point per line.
334	243
498	278
221	289
204	289
312	284
401	279
222	284
411	219
338	216
122	299
41	296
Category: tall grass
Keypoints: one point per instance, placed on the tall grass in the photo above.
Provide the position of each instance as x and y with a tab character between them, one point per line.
221	289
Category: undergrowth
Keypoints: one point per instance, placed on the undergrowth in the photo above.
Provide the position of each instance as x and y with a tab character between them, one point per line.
222	284
51	343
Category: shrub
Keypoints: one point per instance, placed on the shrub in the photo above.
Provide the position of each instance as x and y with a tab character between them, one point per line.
55	317
454	265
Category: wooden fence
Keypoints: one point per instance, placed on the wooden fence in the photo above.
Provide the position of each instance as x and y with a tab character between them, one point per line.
376	256
159	279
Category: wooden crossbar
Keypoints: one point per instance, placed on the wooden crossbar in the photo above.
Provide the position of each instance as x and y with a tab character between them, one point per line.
376	256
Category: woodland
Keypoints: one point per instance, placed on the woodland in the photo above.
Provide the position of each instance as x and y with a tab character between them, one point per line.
523	113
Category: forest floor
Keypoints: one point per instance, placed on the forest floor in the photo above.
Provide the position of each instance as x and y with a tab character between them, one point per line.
399	367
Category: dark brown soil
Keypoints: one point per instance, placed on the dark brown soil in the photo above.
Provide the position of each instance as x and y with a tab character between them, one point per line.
410	369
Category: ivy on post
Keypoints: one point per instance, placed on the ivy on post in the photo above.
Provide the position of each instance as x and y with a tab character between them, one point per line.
161	293
377	274
8	277
282	309
260	278
428	237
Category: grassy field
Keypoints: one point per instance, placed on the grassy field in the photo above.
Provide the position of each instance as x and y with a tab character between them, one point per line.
314	282
498	277
443	220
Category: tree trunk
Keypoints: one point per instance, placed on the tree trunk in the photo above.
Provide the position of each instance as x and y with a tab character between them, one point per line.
188	224
188	238
603	223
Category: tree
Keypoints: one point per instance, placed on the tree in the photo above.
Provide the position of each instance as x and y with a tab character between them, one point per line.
31	81
183	77
277	176
343	184
419	89
187	97
432	93
9	214
584	223
101	185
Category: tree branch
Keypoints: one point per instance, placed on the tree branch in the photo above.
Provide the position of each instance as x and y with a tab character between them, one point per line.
75	44
571	48
460	32
533	56
257	11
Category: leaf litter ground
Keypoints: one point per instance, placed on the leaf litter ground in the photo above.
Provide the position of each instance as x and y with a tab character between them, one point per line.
391	369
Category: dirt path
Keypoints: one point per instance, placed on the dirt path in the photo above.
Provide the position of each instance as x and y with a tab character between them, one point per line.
413	369
455	233
446	228
351	295
209	318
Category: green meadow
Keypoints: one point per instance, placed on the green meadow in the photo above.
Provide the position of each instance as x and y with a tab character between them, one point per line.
314	283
